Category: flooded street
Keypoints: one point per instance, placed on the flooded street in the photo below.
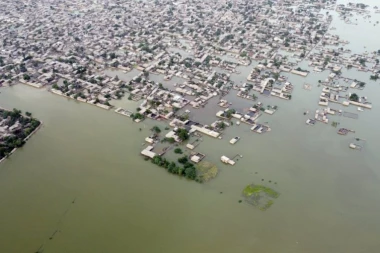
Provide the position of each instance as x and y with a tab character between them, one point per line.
80	185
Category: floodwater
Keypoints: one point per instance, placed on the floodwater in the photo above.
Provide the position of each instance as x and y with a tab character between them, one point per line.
80	185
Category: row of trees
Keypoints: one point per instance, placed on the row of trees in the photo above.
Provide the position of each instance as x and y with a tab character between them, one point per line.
188	170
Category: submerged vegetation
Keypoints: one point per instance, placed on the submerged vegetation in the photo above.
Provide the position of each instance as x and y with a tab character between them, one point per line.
178	151
156	129
256	189
260	196
206	171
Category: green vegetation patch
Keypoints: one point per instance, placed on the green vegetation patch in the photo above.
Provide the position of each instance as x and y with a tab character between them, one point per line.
260	196
206	171
178	151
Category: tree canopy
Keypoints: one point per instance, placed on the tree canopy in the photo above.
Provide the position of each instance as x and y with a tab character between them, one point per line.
183	134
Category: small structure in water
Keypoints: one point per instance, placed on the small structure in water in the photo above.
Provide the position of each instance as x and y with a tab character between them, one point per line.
260	128
148	152
196	157
234	140
321	116
354	146
311	122
227	160
357	144
344	131
307	86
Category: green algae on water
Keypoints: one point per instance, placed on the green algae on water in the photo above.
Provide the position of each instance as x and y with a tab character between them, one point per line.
260	196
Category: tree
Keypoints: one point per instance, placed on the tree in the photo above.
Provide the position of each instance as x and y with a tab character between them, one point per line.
112	55
157	159
172	167
197	63
171	140
190	172
354	97
26	77
178	151
137	116
183	134
15	113
55	86
183	160
28	114
156	129
229	113
221	125
243	54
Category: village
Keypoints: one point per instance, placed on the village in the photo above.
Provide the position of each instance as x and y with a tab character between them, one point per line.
15	130
202	44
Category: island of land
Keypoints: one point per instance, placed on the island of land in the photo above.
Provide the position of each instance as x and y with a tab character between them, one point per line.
15	130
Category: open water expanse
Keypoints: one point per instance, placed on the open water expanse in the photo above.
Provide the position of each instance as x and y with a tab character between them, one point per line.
81	181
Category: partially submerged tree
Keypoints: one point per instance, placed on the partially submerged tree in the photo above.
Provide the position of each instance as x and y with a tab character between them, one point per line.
183	134
354	97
